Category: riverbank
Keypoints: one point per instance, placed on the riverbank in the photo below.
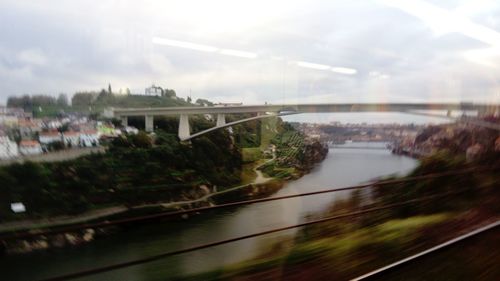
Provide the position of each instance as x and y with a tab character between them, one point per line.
104	213
261	186
345	248
343	256
340	168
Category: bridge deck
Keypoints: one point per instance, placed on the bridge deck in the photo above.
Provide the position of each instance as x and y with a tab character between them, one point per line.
300	108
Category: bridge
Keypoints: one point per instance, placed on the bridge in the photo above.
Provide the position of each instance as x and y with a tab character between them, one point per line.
265	111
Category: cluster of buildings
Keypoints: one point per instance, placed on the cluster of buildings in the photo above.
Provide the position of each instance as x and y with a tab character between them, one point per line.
337	133
23	135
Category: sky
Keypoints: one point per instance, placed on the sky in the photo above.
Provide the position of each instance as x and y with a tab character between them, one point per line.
258	51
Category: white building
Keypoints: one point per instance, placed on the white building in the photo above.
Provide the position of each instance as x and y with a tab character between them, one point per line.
8	148
71	138
8	121
153	91
89	138
131	130
49	137
29	128
30	147
53	124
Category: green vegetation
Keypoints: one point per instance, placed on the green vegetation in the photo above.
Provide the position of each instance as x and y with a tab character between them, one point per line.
345	248
84	101
464	187
135	170
40	105
251	154
391	235
93	102
338	256
272	170
289	146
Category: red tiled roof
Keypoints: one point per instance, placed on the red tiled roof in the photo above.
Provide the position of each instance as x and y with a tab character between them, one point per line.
49	134
29	143
26	123
71	133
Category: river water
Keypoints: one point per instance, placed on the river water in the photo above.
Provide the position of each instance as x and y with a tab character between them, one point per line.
342	167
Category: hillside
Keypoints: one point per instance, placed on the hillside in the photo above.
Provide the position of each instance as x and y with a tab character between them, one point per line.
460	139
91	102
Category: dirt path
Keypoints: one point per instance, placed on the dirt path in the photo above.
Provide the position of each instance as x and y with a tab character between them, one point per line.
100	213
61	220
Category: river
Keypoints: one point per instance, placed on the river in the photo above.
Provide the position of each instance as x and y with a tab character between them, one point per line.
342	167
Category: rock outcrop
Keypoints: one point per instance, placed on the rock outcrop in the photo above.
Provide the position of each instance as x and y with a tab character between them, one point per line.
470	140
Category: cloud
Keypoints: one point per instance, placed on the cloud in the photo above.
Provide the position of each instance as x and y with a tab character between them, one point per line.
32	57
342	50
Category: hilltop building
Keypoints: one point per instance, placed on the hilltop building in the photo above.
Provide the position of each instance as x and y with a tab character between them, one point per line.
154	91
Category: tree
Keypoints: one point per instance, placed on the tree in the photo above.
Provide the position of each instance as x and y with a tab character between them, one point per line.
169	93
23	101
63	128
82	99
166	139
43	100
141	140
188	99
204	102
102	94
55	146
62	100
116	122
109	89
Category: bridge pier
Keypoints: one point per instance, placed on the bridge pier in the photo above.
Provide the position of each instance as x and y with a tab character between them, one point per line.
184	129
124	120
221	119
149	123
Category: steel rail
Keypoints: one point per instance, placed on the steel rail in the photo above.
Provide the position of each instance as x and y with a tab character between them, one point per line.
426	252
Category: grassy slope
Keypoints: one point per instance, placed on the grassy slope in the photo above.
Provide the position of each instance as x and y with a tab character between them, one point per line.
337	255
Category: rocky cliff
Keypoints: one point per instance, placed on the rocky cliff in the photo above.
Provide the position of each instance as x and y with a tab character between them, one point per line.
470	140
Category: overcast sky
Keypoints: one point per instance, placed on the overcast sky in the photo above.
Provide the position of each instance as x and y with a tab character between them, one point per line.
255	51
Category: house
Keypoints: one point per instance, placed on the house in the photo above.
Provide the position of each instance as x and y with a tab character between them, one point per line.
53	124
131	130
71	138
89	138
49	137
153	91
14	111
29	128
8	148
8	121
30	147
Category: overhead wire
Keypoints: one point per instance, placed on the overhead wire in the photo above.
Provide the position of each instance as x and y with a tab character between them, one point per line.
164	255
54	230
